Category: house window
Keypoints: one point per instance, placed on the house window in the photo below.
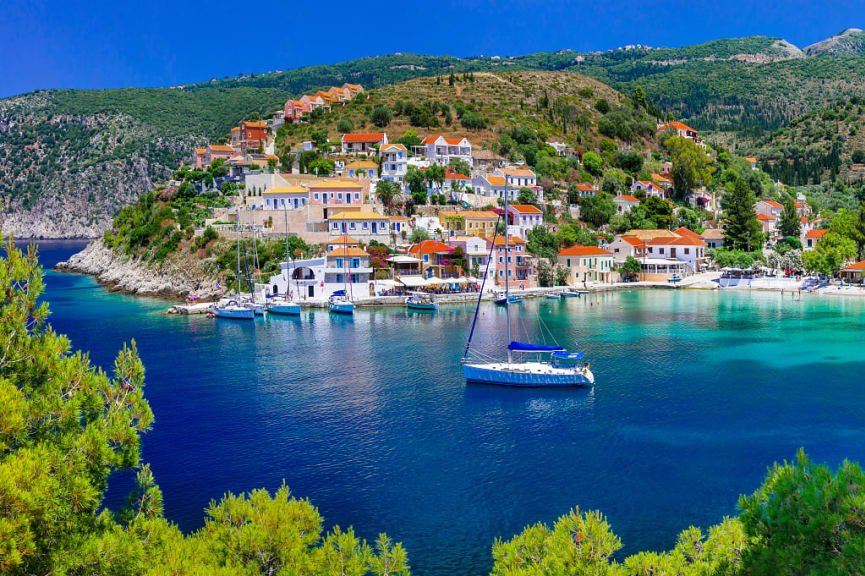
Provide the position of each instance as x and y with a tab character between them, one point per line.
351	225
365	225
339	196
356	196
316	196
687	250
335	226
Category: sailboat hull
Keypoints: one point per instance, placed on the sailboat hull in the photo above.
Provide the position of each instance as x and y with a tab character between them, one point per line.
287	309
429	306
234	313
342	308
527	375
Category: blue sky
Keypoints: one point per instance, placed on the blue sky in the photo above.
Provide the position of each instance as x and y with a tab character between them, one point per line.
88	44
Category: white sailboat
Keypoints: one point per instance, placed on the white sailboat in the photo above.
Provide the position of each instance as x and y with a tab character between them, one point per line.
562	369
284	306
232	308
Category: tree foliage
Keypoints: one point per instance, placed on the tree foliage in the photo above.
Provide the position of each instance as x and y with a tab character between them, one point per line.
742	230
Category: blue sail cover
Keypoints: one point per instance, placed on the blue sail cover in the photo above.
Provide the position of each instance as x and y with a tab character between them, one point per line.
523	347
562	355
339	293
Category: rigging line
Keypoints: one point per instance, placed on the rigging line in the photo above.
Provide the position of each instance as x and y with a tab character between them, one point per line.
483	283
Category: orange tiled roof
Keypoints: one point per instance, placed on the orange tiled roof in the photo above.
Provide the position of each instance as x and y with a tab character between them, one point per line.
346	252
772	203
584	251
220	148
373	137
819	233
344	239
678	126
682	231
512	240
518	172
856	266
764	217
526	209
633	241
585	187
496	180
630	198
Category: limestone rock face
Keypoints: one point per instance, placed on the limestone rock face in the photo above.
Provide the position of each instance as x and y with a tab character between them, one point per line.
177	277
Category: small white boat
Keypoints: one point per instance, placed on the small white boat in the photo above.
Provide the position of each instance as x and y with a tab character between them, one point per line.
232	309
283	307
339	303
554	296
570	294
421	301
501	299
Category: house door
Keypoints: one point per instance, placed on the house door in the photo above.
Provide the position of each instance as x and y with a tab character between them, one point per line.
672	252
311	290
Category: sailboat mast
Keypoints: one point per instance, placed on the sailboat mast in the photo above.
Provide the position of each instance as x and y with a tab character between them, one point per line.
237	231
287	280
507	257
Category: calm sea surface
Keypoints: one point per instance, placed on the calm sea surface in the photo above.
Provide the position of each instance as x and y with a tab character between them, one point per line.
369	417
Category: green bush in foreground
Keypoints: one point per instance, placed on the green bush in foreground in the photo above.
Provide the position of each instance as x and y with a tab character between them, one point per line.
65	426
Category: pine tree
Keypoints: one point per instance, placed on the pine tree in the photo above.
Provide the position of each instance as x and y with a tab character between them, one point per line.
790	226
639	98
742	230
452	79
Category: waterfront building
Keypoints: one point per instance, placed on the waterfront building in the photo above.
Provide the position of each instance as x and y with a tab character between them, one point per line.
520	268
588	264
433	256
623	247
713	237
342	267
687	249
477	252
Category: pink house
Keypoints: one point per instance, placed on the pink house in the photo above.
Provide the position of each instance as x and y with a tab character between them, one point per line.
295	110
336	193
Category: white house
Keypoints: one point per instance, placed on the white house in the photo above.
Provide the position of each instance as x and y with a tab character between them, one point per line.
623	247
648	188
363	225
441	150
492	186
682	130
522	218
341	268
769	208
624	203
394	162
688	249
285	197
809	241
518	177
768	224
363	143
585	190
588	264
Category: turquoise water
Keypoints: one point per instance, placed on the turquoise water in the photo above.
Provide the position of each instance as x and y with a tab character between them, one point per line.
697	393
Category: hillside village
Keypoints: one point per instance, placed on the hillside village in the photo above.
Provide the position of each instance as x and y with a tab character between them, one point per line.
425	208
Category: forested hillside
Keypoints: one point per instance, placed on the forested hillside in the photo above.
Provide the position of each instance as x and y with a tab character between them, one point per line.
70	158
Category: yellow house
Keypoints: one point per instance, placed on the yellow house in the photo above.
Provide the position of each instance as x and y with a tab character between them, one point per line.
588	264
480	223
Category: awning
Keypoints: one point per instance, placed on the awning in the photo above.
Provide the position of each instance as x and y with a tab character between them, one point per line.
412	281
402	259
523	347
434	280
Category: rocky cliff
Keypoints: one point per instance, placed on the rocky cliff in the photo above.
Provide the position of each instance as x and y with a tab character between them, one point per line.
176	277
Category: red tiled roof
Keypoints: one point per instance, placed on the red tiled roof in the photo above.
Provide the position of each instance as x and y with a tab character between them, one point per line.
677	125
449	141
633	241
430	247
764	218
629	198
584	251
682	231
346	251
361	138
772	203
816	233
526	208
585	187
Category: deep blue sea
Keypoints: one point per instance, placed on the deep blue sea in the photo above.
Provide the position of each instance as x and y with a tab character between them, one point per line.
697	394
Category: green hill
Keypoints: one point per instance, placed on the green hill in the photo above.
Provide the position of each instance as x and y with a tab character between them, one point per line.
70	159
